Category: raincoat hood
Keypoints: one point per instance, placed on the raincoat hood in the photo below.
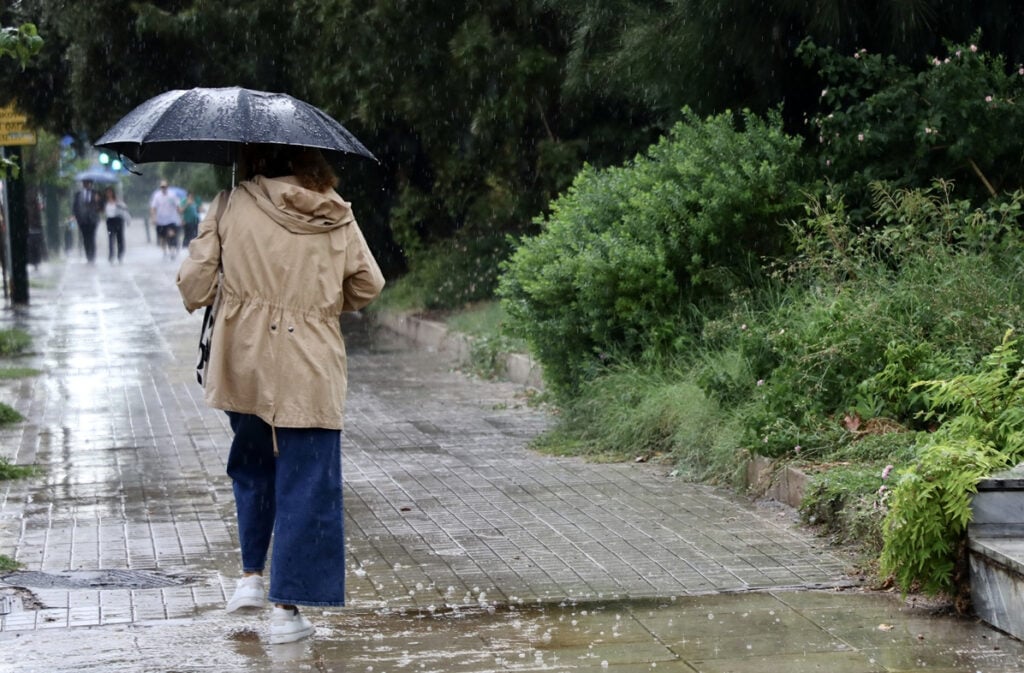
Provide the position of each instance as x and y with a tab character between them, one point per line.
297	209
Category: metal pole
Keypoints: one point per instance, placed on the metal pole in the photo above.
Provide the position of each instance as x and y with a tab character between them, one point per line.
17	227
6	242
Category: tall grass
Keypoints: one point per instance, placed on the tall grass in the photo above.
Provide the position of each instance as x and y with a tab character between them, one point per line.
647	413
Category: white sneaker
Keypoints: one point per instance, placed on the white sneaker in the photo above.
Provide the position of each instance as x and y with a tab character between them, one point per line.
287	626
248	594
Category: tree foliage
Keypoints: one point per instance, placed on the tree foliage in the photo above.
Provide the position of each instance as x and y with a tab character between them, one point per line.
944	117
711	55
482	111
20	43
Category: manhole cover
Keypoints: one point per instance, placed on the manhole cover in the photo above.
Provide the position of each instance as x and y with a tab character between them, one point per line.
95	579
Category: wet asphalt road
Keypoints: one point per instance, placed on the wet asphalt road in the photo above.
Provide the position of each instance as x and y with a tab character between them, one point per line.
466	551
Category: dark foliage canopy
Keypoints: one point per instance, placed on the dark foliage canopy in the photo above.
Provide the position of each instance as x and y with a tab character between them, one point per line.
480	110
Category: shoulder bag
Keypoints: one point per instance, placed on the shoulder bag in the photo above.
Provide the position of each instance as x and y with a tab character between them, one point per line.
210	314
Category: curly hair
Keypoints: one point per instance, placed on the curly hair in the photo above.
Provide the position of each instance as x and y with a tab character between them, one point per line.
312	170
307	164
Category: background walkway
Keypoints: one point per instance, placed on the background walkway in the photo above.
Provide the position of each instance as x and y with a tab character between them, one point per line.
130	526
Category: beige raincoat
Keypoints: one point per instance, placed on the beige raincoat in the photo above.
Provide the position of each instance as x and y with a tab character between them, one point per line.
293	261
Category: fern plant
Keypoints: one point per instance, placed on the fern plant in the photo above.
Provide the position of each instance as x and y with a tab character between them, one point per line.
981	432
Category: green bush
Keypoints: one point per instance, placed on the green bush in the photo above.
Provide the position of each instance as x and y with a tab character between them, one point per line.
628	252
981	432
9	415
11	471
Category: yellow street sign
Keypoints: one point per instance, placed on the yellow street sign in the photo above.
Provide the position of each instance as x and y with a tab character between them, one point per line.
12	128
23	137
9	114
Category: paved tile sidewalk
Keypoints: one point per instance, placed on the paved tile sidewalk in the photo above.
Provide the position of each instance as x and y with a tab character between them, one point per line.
466	551
444	503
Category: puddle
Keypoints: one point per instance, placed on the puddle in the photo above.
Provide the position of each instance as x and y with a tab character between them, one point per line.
791	632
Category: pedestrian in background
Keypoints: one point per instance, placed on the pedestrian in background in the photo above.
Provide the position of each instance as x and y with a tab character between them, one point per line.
291	259
117	216
163	211
189	218
86	207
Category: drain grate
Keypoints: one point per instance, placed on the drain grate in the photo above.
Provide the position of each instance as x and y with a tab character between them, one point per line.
95	579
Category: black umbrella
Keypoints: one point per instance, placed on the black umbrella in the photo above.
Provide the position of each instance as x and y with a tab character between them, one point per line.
210	125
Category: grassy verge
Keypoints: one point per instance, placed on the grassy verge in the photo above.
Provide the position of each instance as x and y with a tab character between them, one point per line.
7	373
14	341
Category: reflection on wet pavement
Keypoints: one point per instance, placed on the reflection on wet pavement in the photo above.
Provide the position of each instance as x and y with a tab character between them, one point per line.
780	631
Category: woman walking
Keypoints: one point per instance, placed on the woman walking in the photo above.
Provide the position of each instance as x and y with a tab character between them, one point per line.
291	258
117	216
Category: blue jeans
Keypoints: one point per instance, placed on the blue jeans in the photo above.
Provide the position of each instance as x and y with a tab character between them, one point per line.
296	499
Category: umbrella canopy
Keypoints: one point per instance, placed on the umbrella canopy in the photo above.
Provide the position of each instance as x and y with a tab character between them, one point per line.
98	175
178	192
209	126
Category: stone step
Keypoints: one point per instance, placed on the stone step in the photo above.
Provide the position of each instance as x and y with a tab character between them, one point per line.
997	582
999	501
995	547
1007	480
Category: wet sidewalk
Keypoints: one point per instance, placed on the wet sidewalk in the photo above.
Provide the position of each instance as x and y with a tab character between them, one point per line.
466	551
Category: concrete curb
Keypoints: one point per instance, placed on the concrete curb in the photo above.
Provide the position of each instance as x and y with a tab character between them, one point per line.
768	479
435	336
